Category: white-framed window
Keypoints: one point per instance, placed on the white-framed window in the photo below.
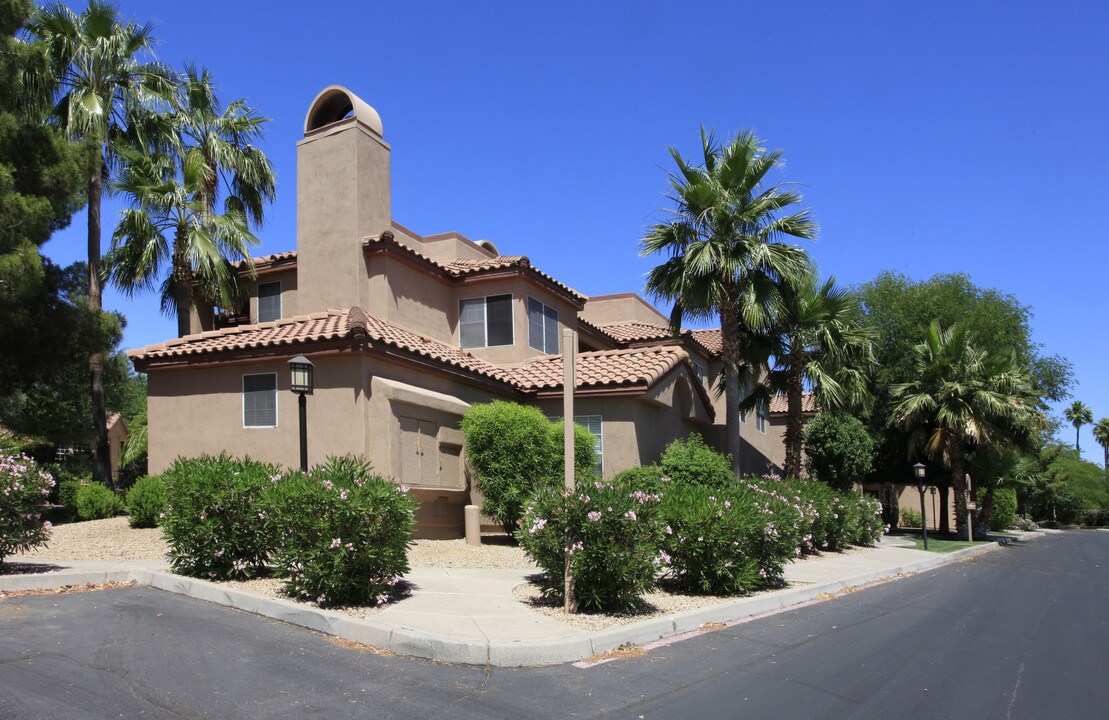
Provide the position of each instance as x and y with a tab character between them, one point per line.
485	321
594	424
760	418
269	301
260	400
699	371
542	327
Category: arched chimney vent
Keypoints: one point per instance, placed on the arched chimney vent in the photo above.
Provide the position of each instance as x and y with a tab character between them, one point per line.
336	103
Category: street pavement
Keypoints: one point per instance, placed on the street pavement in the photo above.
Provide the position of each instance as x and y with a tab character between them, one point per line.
1020	632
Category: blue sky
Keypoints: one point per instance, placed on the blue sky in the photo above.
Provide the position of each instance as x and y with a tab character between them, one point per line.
927	137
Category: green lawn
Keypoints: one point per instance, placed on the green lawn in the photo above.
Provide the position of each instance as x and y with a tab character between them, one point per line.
944	546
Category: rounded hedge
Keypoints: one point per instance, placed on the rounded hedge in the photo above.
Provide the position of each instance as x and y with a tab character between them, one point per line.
96	502
146	502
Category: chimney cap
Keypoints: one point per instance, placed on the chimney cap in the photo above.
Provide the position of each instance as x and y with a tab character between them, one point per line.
335	103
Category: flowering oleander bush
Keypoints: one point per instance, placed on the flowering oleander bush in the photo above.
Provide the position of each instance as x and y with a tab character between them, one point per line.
514	450
613	536
343	532
24	494
649	478
214	521
96	502
865	524
726	541
146	502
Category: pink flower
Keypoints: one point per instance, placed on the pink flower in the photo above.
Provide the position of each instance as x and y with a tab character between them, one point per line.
336	542
537	525
668	530
47	525
593	516
630	515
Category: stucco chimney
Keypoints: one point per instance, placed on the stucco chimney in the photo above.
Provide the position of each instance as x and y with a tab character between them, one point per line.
343	195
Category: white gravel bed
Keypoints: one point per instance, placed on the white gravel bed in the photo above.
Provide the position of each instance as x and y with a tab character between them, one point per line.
110	539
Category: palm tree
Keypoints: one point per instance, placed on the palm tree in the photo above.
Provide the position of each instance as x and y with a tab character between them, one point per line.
1078	414
97	79
962	397
726	251
202	154
819	339
1101	434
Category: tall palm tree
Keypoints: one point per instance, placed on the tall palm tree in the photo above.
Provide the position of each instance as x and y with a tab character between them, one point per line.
202	155
98	77
962	397
725	242
818	339
1101	434
1078	414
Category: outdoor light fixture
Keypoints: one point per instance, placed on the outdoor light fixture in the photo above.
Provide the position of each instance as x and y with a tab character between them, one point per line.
920	471
300	382
301	370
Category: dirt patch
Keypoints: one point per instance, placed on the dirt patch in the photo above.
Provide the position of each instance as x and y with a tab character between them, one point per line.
352	645
623	652
64	590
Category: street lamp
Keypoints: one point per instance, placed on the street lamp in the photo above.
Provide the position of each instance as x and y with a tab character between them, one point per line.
932	490
920	471
300	370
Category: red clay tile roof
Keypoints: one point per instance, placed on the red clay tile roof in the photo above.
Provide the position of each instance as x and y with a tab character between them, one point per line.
603	368
779	404
273	259
710	340
638	332
600	369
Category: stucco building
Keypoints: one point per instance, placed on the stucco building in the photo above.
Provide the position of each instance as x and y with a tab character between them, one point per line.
406	332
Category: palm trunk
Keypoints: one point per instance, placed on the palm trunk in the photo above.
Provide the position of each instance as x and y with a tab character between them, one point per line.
101	467
945	515
729	328
985	512
1076	429
958	485
182	285
794	424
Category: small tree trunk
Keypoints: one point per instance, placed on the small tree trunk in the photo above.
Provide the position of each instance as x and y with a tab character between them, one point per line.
101	464
794	417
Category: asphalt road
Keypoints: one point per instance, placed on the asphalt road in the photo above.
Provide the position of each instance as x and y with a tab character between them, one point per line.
1019	633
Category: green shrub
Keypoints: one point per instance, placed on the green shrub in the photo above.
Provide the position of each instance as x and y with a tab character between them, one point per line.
825	512
67	497
514	450
838	450
910	518
1004	512
215	524
96	502
613	537
692	461
146	502
726	541
344	533
24	494
865	525
648	478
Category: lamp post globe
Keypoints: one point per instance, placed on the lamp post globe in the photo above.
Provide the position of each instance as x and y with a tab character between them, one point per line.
301	382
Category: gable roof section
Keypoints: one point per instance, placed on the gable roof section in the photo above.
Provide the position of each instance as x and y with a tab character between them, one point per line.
630	369
779	404
461	269
639	333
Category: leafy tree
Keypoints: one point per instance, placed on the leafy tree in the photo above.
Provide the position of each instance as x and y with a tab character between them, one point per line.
962	397
40	188
1067	484
95	70
727	255
838	450
1078	414
206	156
1101	434
818	339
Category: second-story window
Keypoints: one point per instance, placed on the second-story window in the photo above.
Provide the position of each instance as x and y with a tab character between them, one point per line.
269	301
542	327
485	322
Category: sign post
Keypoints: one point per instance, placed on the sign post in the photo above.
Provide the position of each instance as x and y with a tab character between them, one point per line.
569	347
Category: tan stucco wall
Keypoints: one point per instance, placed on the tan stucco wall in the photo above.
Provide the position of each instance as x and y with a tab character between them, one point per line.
410	297
520	289
343	195
446	247
288	280
909	497
622	308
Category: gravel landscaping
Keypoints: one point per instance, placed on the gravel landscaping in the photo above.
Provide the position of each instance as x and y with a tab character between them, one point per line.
111	539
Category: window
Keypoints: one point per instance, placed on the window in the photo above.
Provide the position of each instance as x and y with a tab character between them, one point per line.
593	424
542	327
485	322
269	301
699	370
760	418
260	400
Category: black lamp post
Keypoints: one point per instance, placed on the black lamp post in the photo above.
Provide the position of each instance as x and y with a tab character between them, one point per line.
920	471
300	370
935	519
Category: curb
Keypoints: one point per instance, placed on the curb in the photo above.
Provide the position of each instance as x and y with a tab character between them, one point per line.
529	653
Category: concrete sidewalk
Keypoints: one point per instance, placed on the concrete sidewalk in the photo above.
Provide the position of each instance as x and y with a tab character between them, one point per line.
471	616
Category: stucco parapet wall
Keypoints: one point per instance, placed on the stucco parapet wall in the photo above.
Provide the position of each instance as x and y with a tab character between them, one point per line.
460	270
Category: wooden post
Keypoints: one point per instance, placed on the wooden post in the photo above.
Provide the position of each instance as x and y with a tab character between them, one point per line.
569	348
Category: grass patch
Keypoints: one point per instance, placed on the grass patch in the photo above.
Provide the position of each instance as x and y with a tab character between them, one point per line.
945	546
